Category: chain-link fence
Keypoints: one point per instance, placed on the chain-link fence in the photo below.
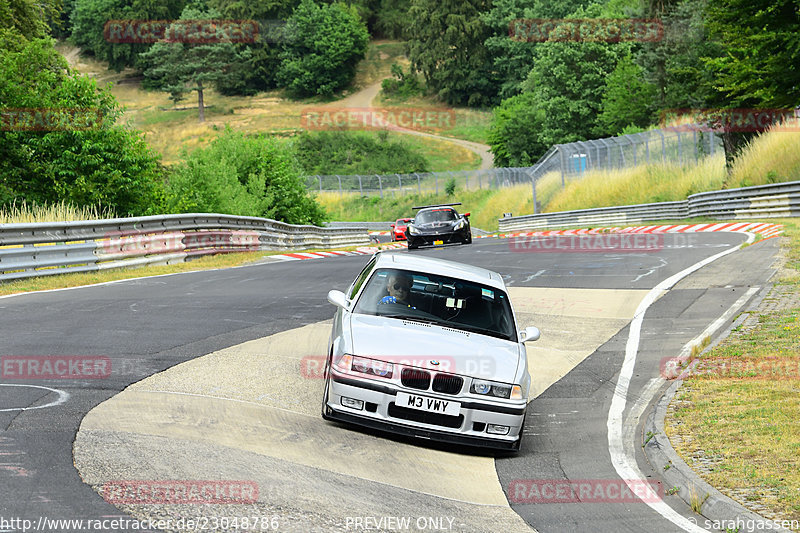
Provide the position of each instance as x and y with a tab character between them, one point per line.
570	161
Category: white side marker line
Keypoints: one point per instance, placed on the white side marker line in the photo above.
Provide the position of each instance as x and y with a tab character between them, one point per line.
62	397
624	464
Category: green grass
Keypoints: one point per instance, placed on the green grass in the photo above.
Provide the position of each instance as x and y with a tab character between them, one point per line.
744	410
441	155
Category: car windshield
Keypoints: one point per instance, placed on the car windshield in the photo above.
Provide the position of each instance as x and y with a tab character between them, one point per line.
402	221
435	215
441	300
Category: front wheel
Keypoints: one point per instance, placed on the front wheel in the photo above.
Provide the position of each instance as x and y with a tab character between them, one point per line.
468	240
326	411
412	246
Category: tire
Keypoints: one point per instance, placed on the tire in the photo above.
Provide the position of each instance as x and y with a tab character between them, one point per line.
518	445
412	246
325	409
468	240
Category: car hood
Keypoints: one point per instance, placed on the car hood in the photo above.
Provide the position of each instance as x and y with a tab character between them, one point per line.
418	344
432	226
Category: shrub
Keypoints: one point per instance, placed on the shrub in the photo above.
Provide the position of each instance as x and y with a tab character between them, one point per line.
239	175
345	152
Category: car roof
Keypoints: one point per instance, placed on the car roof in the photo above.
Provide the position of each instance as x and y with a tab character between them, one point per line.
442	267
436	208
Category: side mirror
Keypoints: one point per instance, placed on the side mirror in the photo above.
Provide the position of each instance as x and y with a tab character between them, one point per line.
466	214
338	299
530	333
391	226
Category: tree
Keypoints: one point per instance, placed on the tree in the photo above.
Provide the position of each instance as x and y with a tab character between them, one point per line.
760	66
512	57
241	175
568	81
761	40
515	130
628	100
322	46
446	45
60	140
89	17
180	67
674	64
257	73
28	17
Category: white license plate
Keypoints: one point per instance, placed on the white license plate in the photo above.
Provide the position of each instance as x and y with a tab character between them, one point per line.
424	403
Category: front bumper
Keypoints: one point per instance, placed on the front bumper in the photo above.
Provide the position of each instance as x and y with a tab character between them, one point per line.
398	236
380	412
428	239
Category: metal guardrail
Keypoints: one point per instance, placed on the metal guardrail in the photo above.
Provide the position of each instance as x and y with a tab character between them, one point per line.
603	215
762	201
49	248
371	226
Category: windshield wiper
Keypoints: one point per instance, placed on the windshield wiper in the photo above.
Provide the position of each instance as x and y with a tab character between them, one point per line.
482	331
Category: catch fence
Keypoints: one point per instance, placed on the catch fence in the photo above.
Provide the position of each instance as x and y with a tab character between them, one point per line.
568	161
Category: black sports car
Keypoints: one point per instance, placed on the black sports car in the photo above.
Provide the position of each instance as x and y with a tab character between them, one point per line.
438	224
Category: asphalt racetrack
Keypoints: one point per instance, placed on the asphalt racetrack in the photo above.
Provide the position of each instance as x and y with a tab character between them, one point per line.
212	377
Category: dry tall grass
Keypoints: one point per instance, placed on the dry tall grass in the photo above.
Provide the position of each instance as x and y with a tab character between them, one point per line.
23	213
770	158
639	185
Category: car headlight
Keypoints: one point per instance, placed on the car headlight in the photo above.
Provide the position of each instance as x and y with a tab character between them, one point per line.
413	231
381	369
497	390
460	224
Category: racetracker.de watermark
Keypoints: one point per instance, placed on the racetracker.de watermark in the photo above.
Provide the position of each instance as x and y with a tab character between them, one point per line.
771	368
131	243
583	30
375	118
386	367
180	492
55	366
585	491
738	120
180	31
50	119
611	242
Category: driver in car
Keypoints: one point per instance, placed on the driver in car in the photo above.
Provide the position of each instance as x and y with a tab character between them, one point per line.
399	288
